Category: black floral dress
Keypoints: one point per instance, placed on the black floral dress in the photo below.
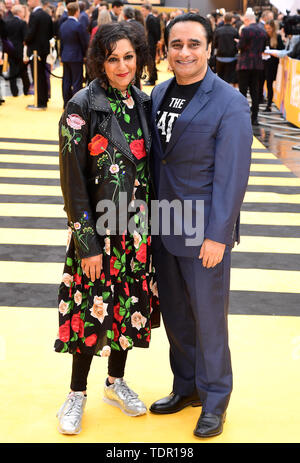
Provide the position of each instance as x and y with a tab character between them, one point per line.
112	312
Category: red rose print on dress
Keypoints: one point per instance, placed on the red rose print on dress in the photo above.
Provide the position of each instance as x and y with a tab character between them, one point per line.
141	254
64	331
116	331
117	315
97	145
113	270
77	324
138	148
91	340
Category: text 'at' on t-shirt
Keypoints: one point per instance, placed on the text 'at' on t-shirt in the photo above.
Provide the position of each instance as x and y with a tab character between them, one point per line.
175	101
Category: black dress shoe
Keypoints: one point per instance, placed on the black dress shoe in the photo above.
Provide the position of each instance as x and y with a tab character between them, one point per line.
209	425
174	403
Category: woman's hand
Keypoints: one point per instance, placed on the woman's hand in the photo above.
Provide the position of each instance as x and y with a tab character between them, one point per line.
92	266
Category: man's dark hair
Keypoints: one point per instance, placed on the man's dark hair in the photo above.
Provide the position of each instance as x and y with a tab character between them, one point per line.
117	3
191	17
104	43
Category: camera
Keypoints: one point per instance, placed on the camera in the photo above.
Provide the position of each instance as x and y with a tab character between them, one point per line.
291	24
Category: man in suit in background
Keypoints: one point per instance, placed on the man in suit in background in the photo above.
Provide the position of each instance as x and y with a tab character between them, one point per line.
83	17
40	31
8	15
16	33
73	46
153	31
116	9
250	65
201	154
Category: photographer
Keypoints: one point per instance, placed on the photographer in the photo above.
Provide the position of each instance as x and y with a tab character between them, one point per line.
291	26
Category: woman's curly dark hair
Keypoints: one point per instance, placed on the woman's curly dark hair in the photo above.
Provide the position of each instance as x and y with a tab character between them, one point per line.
104	43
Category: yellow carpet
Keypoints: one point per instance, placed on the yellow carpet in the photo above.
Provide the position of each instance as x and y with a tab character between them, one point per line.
34	380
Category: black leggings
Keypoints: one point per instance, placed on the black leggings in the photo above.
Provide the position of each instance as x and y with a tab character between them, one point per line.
81	367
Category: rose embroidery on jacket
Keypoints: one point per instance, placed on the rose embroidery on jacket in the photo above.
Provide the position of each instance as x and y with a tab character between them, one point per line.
81	230
97	145
75	122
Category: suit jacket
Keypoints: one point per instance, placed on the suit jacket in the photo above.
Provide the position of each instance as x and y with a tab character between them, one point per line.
73	41
251	45
40	31
16	33
153	30
224	41
207	158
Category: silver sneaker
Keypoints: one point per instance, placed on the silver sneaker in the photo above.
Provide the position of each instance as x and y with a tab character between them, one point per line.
120	395
70	413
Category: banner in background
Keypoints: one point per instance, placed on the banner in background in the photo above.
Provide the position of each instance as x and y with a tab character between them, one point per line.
287	89
292	94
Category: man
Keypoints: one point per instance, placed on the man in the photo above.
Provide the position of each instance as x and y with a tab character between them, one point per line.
73	46
153	36
116	10
129	16
8	16
202	140
226	50
250	64
64	16
83	17
267	15
40	31
16	33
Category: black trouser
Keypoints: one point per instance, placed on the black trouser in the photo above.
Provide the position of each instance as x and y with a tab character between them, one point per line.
152	65
81	367
42	84
72	80
270	91
18	69
250	79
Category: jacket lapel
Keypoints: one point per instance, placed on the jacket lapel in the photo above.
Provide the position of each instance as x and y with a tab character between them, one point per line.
156	102
199	100
109	126
141	100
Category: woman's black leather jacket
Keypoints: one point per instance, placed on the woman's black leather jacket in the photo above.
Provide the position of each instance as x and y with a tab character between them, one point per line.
89	134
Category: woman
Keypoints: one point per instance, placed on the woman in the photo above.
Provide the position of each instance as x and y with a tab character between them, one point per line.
274	41
105	296
103	18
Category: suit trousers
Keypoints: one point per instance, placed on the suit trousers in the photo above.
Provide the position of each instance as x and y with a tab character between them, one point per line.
194	306
250	79
152	64
72	80
42	85
18	69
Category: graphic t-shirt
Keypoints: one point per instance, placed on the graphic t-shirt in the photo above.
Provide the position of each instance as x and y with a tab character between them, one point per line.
175	101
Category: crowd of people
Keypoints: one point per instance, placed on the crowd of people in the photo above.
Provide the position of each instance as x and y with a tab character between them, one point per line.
241	50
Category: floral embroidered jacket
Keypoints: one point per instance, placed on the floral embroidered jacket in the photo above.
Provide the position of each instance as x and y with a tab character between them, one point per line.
89	134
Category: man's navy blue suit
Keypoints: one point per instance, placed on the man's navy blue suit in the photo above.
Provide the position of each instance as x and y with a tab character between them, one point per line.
207	158
74	43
